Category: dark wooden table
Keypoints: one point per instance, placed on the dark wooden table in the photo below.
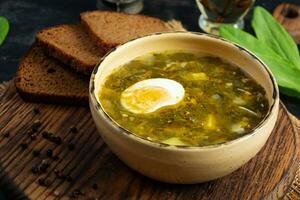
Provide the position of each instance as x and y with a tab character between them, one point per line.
29	16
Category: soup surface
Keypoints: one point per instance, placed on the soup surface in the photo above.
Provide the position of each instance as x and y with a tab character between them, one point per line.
181	98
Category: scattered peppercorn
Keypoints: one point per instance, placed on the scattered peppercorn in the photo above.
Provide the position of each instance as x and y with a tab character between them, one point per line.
36	124
6	135
51	137
69	178
57	140
45	162
45	134
35	169
49	153
76	193
36	153
40	168
24	145
43	182
73	129
33	136
43	169
95	186
36	111
71	146
59	174
44	166
30	132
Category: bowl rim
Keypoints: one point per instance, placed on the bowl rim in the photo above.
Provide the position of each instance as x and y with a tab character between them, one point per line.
100	110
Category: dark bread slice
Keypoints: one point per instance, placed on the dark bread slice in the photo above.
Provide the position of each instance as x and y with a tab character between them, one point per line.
41	78
71	45
109	29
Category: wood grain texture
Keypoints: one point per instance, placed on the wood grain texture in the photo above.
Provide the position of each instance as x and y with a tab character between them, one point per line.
289	16
100	174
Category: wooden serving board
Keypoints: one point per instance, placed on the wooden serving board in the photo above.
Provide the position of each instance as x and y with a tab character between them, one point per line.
92	171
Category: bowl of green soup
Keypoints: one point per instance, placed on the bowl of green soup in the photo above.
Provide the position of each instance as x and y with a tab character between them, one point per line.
183	107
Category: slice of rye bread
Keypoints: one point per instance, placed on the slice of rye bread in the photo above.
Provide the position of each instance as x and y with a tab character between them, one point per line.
71	45
41	78
109	29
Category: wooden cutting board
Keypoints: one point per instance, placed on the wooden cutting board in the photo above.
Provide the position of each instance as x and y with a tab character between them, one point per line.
89	170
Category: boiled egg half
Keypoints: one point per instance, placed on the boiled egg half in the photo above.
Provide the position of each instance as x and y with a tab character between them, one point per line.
152	94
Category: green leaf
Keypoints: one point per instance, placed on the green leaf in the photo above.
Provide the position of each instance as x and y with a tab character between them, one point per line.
270	32
4	28
247	40
286	76
289	92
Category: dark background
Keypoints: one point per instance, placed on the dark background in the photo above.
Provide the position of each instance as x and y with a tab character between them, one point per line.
29	16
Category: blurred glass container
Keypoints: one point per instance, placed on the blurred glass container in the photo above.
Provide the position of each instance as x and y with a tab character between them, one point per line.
215	13
127	6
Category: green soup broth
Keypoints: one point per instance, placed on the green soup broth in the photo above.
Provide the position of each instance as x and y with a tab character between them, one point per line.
221	102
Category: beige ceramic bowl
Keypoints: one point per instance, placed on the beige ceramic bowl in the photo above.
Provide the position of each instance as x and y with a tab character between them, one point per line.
176	164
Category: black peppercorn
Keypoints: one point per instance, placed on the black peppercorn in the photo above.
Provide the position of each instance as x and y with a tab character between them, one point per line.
49	153
6	135
36	124
36	111
51	137
44	166
71	146
76	193
57	140
45	134
69	178
24	145
45	163
73	129
35	169
59	174
33	136
43	182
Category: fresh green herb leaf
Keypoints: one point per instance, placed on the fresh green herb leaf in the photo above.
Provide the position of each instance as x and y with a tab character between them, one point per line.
289	92
286	75
269	31
4	28
248	41
274	46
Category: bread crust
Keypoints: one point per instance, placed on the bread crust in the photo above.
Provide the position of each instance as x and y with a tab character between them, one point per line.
101	43
108	45
57	52
28	94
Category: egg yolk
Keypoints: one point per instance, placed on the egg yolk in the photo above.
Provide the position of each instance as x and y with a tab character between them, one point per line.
145	99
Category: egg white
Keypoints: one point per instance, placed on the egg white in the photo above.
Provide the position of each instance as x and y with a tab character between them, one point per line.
152	94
